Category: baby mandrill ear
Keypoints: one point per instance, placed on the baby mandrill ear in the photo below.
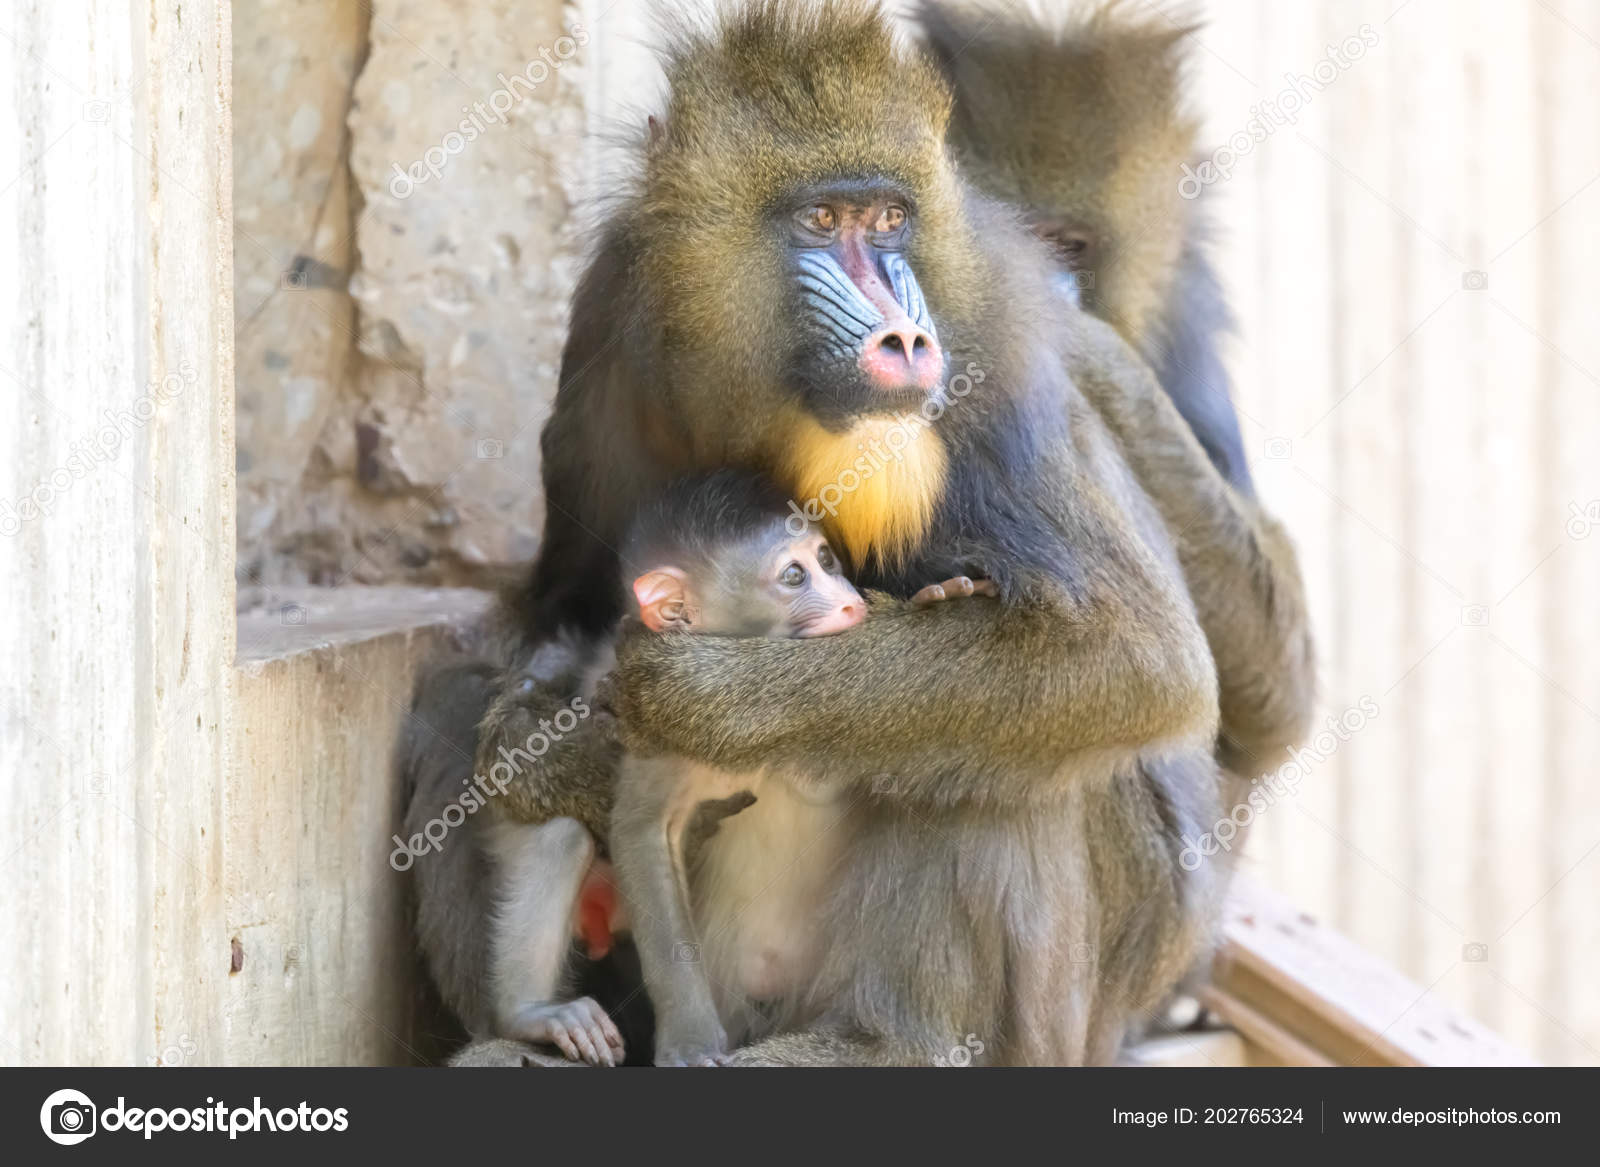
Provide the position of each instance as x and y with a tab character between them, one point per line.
661	594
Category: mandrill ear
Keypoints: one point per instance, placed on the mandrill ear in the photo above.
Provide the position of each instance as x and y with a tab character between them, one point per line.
662	595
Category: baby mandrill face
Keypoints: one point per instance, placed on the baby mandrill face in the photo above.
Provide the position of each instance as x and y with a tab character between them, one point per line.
782	588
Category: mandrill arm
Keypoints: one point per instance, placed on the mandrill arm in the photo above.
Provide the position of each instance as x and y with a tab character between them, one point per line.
1238	562
959	701
547	773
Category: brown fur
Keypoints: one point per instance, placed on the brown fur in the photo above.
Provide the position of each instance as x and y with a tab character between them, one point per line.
571	779
1241	569
1082	121
983	795
1081	124
1085	121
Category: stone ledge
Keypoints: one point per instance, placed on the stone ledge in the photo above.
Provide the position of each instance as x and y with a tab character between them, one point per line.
323	967
280	622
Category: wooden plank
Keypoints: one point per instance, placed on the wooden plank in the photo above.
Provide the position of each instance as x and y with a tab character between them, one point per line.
1220	1047
1310	995
1277	1044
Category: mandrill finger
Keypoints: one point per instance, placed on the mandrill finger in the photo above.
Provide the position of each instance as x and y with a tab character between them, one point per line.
956	588
985	587
564	1044
602	1047
580	1038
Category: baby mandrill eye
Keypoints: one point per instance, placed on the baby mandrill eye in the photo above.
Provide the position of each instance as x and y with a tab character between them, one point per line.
826	559
793	576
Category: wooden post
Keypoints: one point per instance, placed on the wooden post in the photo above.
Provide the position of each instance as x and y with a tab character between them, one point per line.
116	527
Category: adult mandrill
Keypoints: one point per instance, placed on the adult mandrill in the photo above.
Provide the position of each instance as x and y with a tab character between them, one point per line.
1079	122
799	271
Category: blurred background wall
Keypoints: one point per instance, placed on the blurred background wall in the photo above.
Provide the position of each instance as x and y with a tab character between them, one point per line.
1410	227
1417	371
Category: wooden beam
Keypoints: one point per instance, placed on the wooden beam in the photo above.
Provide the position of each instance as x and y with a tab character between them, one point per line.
1219	1047
1310	996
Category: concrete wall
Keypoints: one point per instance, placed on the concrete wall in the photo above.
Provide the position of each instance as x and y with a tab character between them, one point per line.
197	866
295	66
116	529
320	941
412	245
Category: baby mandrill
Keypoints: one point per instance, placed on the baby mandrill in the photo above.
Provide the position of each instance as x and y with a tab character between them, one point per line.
713	556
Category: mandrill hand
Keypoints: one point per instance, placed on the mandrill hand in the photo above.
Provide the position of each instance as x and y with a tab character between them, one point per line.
953	589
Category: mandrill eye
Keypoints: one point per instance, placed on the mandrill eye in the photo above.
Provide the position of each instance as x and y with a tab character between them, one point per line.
793	576
819	220
891	220
826	559
1073	245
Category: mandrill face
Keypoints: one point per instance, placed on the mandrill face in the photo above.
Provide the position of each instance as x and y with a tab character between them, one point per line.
866	341
813	268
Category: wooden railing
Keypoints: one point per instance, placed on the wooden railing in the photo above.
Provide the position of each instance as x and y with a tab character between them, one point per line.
1299	994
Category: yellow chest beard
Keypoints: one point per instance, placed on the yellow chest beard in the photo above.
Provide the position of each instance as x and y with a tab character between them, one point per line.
874	486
